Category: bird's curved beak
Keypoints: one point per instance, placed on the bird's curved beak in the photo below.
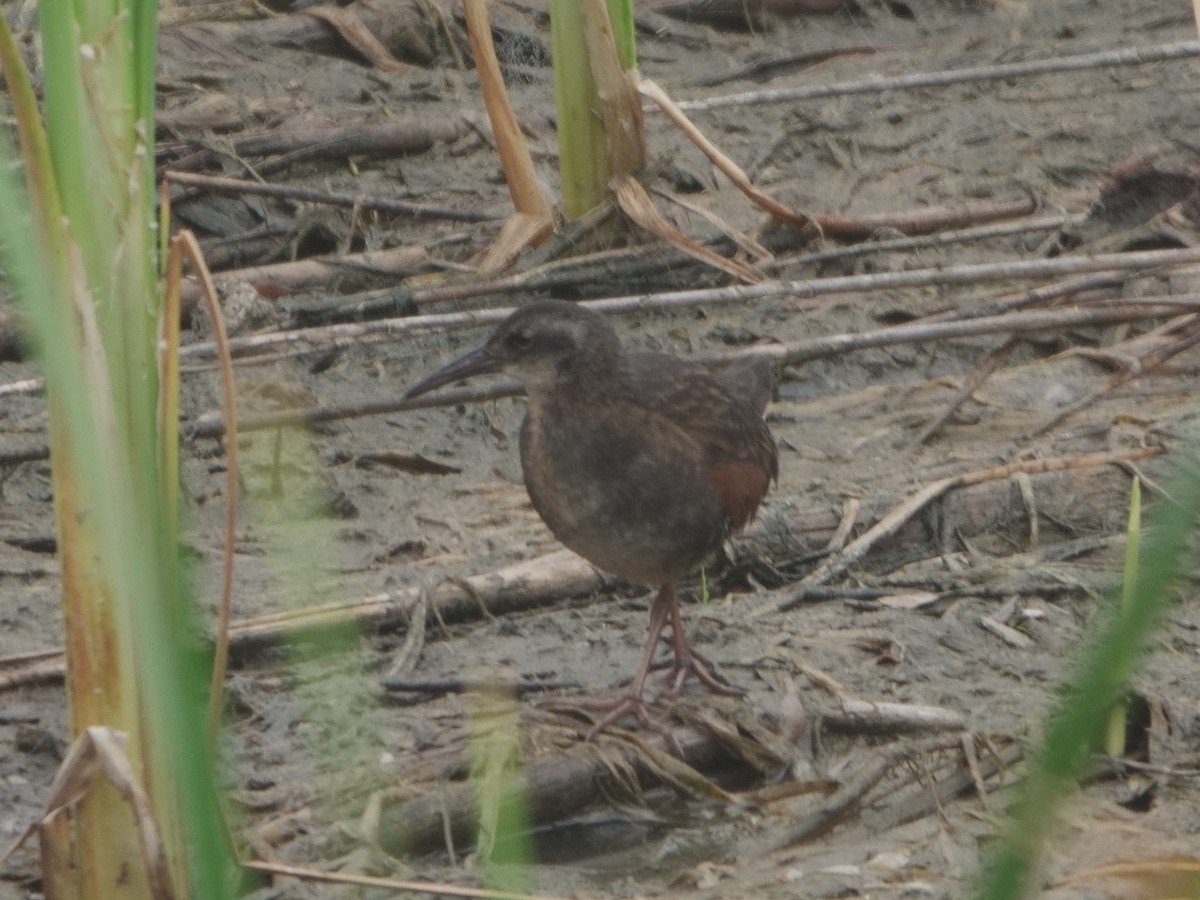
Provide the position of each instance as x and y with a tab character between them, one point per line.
477	362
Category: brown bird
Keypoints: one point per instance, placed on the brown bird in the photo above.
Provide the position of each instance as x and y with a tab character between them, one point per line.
641	462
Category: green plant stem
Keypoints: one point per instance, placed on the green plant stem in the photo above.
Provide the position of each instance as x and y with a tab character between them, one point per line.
582	151
1098	683
1113	742
620	13
78	242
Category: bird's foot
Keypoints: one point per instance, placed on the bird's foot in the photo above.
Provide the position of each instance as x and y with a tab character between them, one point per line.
619	709
694	664
610	711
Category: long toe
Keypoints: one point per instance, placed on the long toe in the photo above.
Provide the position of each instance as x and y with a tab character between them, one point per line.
693	664
610	710
619	709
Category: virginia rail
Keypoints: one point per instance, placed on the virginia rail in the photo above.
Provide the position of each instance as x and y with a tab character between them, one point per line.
641	462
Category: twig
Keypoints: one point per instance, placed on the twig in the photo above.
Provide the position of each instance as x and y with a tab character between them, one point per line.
558	274
1102	313
761	70
846	801
20	659
403	138
1029	498
414	638
991	361
519	586
879	717
237	186
1093	281
744	243
966	778
637	205
552	787
463	686
1134	765
347	334
1006	633
798	220
996	357
850	510
208	425
305	873
920	221
1190	329
946	217
48	670
1133	56
889	524
24	386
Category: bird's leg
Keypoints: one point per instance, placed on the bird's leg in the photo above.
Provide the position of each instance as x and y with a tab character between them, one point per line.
664	609
688	661
632	701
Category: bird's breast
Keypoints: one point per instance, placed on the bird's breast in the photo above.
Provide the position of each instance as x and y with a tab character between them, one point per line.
630	493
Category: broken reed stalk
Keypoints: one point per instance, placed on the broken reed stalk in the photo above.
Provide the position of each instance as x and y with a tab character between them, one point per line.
219	184
534	219
210	425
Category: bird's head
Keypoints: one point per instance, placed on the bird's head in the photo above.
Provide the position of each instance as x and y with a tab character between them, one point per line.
542	345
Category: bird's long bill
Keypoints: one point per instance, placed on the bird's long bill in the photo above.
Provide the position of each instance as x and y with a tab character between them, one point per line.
477	362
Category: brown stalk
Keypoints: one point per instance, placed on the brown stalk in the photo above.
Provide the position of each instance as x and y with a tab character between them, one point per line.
732	170
185	244
169	378
987	365
534	219
638	206
404	138
616	87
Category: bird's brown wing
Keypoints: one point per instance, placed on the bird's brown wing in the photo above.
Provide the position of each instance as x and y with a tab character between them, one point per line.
737	445
752	380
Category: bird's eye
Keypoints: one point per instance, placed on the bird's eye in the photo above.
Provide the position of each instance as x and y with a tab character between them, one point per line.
520	340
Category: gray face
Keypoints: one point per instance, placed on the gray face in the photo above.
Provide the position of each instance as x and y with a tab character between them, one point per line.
537	350
540	345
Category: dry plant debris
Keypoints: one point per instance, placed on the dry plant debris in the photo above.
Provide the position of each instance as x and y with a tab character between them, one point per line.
1003	291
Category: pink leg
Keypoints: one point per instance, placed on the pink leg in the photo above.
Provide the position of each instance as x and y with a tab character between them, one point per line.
688	661
660	610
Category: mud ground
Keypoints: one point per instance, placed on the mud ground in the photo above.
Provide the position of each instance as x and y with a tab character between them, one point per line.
328	515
